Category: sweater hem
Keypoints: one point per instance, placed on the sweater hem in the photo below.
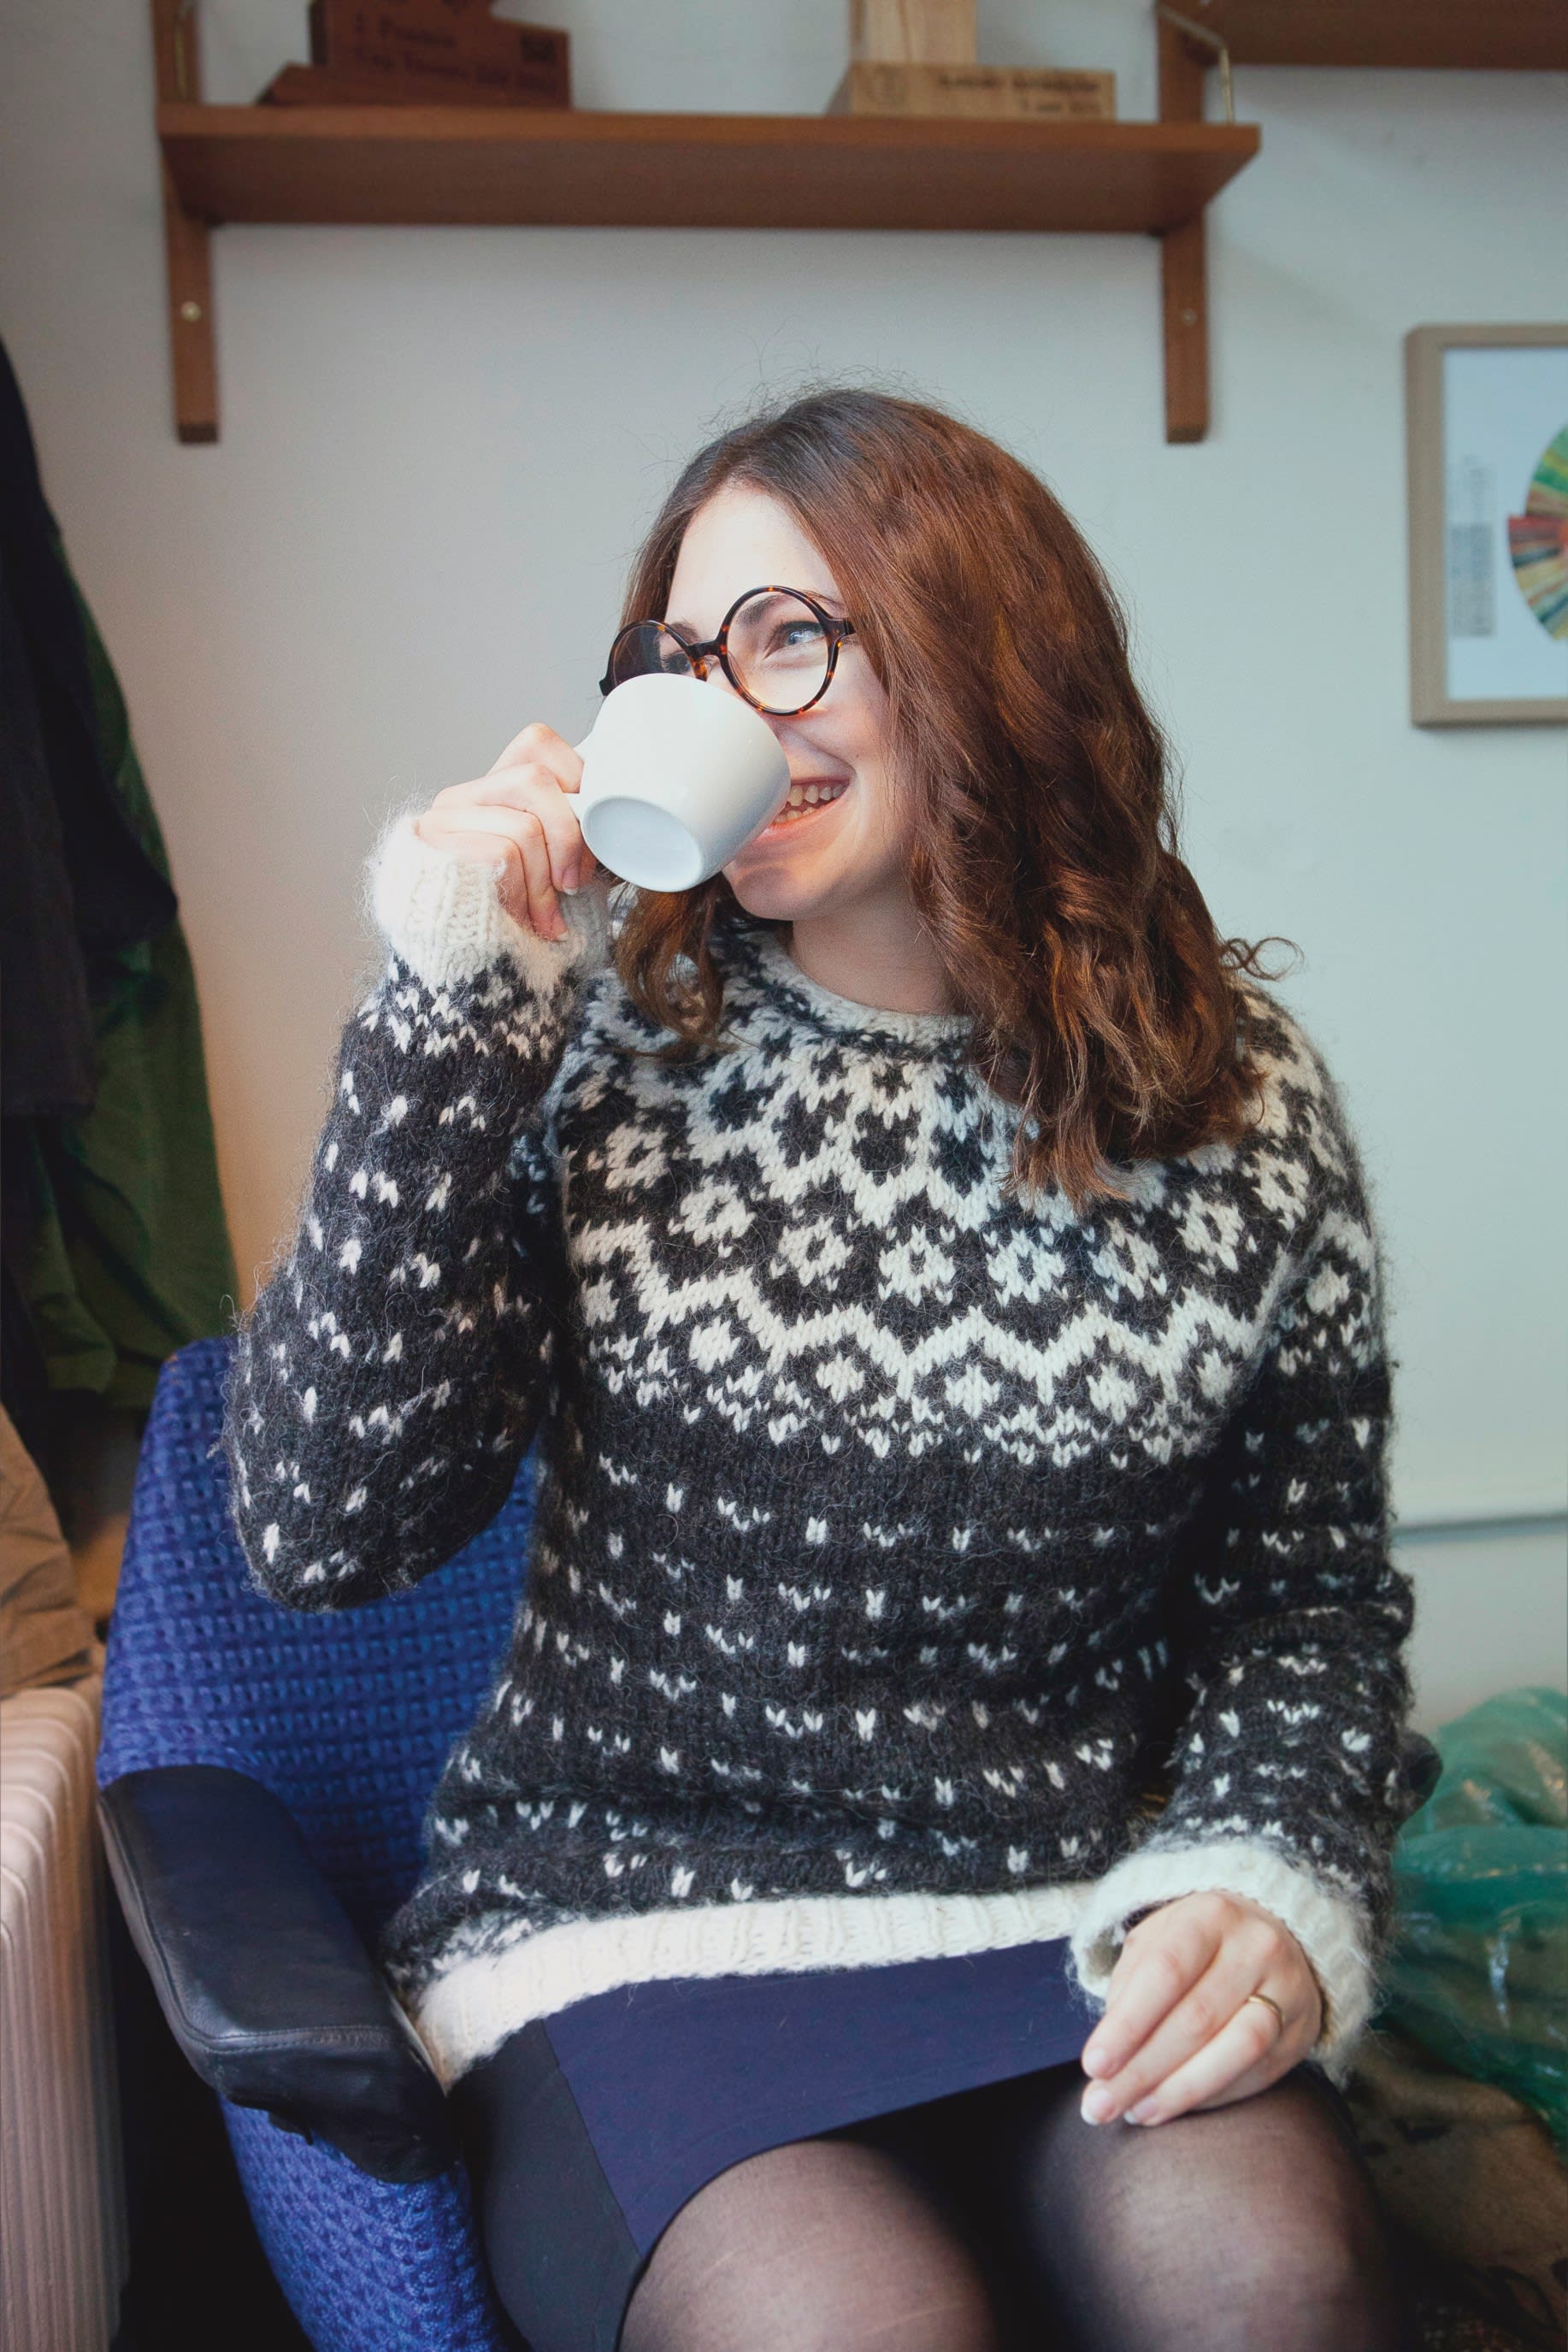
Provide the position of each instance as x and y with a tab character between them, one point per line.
478	2000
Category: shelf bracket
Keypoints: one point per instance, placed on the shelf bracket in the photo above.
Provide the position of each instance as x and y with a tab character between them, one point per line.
193	351
1183	250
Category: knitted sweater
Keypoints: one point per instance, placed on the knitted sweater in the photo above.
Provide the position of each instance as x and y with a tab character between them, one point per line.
913	1572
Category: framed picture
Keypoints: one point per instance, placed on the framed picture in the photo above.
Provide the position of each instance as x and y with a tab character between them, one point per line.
1486	448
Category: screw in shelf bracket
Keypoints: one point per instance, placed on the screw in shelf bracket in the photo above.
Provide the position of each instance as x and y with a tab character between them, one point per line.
192	314
1210	40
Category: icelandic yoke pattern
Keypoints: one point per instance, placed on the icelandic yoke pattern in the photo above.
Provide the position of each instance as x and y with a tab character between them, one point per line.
914	1571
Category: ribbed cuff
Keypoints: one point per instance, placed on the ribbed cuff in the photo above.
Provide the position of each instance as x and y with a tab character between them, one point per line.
1329	1927
444	918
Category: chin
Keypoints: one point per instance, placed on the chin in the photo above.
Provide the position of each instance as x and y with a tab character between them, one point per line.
772	899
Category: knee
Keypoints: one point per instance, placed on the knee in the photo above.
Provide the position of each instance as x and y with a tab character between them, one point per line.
950	2312
825	2309
816	2246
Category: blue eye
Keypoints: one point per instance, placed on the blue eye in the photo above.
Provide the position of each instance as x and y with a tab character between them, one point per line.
801	636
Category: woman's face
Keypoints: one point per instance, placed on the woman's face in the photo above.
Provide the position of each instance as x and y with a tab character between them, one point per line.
845	850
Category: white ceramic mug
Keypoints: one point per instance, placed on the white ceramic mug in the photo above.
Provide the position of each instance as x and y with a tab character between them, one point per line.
677	776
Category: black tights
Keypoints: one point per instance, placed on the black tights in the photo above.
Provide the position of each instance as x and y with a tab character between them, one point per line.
998	2221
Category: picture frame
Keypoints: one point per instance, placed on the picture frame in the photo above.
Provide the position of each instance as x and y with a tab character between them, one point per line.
1487	460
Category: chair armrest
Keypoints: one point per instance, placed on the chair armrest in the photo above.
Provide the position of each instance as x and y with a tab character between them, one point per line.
266	1987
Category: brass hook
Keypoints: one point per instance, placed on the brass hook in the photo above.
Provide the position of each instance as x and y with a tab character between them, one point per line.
1211	40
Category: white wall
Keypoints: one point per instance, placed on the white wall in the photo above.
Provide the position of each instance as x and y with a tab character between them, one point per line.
439	448
1491	1613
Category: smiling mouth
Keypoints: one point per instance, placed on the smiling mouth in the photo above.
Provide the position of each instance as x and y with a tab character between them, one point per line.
799	809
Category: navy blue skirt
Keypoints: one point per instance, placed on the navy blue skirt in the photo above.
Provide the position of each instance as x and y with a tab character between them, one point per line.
589	2130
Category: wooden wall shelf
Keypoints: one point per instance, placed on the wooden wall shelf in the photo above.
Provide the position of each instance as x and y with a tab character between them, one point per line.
457	165
1517	36
1194	35
515	167
452	165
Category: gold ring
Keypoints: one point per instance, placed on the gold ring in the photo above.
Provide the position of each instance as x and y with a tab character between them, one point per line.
1268	2002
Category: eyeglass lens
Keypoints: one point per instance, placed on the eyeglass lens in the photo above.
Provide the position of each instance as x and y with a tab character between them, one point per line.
648	648
778	650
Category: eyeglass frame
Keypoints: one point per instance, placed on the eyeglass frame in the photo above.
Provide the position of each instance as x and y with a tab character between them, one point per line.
718	647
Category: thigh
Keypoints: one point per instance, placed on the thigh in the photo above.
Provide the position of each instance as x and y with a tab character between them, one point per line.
1253	2223
821	2245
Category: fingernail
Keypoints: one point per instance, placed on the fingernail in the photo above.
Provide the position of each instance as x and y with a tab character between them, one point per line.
572	880
1142	2113
1097	2061
1097	2105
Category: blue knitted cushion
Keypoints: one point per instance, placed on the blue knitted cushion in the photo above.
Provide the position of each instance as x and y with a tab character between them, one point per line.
347	1717
367	2266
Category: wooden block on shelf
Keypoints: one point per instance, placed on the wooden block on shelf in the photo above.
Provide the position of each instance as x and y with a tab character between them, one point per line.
980	93
332	85
436	47
912	32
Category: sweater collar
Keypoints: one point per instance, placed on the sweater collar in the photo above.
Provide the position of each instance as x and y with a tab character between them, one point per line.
764	955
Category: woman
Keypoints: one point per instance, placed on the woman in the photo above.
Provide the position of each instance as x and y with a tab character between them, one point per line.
940	1280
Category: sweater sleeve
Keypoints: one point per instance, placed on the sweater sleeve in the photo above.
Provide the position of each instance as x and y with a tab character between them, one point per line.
392	1373
1286	1780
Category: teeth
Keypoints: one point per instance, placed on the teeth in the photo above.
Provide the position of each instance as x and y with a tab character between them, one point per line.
804	796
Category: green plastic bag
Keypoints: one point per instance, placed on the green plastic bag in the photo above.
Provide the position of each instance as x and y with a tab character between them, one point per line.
1479	1966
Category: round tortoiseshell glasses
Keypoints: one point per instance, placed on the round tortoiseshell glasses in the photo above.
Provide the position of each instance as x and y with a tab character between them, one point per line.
777	648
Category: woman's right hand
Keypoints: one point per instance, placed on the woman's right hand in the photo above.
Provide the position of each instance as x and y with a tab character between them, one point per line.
520	818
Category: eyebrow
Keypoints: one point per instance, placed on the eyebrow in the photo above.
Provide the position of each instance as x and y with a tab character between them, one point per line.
828	597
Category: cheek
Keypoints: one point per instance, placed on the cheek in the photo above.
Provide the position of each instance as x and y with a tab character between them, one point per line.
866	721
868	751
876	825
855	735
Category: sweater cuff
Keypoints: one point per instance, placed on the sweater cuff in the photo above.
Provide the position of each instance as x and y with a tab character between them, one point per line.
443	917
1330	1927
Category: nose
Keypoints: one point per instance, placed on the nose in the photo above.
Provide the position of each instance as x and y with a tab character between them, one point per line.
719	675
716	673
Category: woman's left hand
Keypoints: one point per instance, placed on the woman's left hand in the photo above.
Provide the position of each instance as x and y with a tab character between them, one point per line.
1179	2030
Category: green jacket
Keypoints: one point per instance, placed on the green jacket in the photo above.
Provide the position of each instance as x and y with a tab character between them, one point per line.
129	1257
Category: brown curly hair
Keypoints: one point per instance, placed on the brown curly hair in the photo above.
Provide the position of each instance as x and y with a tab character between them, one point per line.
1039	820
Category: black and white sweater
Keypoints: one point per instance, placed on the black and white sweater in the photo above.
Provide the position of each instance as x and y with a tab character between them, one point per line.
913	1572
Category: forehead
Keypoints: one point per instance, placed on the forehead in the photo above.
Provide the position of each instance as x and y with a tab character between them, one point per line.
741	539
